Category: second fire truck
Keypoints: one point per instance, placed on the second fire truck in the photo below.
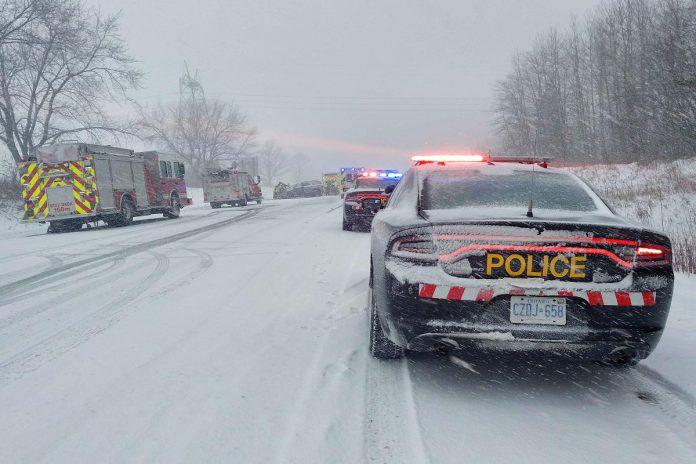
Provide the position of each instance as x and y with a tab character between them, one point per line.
230	187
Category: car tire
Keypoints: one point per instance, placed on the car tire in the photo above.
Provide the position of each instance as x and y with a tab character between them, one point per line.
380	346
347	226
175	210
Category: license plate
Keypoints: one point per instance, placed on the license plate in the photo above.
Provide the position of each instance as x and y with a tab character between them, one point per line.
60	201
372	204
537	310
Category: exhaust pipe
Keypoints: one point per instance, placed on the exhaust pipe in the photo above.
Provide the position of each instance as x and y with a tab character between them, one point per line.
622	357
442	350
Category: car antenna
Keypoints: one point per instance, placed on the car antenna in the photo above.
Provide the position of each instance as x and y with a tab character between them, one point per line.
419	205
530	212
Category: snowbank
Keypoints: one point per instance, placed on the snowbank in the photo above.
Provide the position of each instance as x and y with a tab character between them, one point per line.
674	356
11	225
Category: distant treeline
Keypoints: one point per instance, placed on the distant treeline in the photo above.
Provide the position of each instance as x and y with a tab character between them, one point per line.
617	87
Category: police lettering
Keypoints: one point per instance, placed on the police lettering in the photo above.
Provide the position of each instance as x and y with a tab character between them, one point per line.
517	265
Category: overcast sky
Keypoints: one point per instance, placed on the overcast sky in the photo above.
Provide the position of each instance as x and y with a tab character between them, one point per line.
352	81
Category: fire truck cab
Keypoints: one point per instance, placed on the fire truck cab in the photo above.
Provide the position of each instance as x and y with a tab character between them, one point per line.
71	184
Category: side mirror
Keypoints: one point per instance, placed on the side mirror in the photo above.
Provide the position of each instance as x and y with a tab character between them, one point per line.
389	189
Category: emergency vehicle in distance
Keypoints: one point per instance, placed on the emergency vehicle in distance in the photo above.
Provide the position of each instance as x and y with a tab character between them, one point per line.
332	183
370	194
512	255
71	184
230	187
348	178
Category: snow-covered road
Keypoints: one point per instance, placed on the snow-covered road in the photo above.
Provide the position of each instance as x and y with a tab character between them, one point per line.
239	335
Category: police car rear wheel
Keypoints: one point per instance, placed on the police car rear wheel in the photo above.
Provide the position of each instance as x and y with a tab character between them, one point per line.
380	346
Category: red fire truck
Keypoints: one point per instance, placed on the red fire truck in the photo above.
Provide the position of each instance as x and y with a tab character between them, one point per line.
230	187
72	184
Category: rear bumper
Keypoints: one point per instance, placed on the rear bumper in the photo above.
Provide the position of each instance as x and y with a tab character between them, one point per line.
585	350
592	331
361	216
70	217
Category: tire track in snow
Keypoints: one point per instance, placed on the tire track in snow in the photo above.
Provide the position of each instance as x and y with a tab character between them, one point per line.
205	262
47	304
391	428
54	262
107	315
41	290
74	267
677	405
314	377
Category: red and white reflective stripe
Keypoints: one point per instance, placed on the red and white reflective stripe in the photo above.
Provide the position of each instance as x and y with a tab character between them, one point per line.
625	299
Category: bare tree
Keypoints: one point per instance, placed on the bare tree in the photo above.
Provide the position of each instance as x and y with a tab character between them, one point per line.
15	15
615	88
58	65
203	133
273	163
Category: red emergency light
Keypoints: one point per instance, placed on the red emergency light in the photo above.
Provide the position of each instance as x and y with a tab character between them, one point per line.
447	158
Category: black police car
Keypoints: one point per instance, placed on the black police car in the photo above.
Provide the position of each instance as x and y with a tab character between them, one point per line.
513	255
361	203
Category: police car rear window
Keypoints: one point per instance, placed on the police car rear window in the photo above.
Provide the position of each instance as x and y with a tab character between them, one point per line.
472	188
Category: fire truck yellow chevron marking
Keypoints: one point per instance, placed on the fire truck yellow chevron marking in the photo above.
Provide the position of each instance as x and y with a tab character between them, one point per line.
78	184
92	176
75	168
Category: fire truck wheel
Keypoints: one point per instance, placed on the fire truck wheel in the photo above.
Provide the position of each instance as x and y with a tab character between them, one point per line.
127	212
215	205
175	210
243	201
258	202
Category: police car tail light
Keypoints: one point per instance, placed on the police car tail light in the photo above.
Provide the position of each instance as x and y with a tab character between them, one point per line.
652	255
418	248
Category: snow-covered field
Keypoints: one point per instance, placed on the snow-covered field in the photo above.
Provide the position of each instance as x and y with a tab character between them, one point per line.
661	196
240	335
